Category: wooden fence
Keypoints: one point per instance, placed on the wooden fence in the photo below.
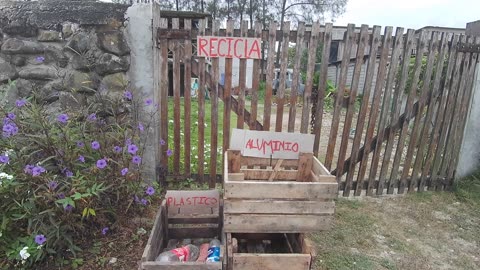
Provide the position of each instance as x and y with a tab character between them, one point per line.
401	133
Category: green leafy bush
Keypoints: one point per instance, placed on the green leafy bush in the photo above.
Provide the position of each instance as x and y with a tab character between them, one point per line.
66	177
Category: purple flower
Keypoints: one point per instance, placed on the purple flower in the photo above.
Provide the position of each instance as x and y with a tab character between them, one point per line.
52	185
68	173
68	208
143	201
92	117
61	195
80	144
128	95
81	158
9	129
40	59
162	142
169	152
37	170
136	160
140	127
95	145
11	115
132	149
20	102
4	159
40	239
150	191
117	149
101	163
105	230
128	141
62	118
124	171
28	169
148	101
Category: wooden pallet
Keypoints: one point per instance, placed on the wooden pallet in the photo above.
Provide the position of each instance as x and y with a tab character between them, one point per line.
288	251
173	225
277	196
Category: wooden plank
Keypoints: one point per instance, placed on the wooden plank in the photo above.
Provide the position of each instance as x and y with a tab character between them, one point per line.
245	261
155	239
194	231
176	100
181	266
299	47
234	161
274	172
280	95
395	116
348	41
187	98
280	190
278	207
230	248
242	81
156	84
322	85
163	108
312	58
254	223
265	174
385	111
412	95
362	43
425	134
382	68
214	113
256	72
201	110
305	164
194	219
227	92
270	76
236	177
257	161
444	99
418	116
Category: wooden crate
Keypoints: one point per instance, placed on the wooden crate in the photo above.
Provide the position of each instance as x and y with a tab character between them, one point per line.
173	225
299	197
297	254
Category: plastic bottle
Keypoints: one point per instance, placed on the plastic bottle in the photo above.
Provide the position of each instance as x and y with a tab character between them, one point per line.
214	251
188	253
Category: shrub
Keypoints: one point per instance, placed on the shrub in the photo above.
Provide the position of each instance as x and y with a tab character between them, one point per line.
65	178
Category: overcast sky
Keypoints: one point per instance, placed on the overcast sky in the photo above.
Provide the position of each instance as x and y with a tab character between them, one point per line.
411	13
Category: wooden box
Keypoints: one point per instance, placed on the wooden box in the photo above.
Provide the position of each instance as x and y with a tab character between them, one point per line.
287	251
265	195
175	225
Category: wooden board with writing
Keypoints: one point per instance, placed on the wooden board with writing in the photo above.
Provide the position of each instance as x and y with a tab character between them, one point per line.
194	202
268	144
229	47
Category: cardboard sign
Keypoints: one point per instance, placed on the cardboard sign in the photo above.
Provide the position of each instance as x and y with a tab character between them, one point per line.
194	202
271	144
229	47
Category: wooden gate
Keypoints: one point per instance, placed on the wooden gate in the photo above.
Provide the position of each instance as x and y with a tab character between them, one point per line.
396	123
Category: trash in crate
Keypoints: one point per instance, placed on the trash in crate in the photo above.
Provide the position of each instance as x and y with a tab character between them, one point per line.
214	251
188	253
191	250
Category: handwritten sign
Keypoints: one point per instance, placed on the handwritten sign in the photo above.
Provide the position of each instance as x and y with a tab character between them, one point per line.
194	202
271	144
229	47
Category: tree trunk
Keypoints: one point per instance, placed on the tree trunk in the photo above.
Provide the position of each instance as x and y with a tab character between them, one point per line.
176	2
203	11
250	11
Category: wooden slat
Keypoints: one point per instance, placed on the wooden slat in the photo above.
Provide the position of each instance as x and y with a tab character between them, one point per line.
362	43
321	171
244	261
278	207
305	163
256	72
234	161
322	85
348	42
280	95
194	219
270	76
296	76
254	161
382	68
181	266
425	134
418	116
187	97
176	99
163	108
264	174
385	112
214	113
444	99
280	190
156	81
193	231
395	116
154	243
253	223
242	81
227	93
273	174
312	58
412	94
201	109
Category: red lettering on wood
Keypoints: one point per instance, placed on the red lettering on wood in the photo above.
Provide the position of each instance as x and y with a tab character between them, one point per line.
220	41
254	50
212	47
236	49
229	53
201	46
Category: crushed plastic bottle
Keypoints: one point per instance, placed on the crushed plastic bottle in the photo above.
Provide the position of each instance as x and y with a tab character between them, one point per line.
188	253
214	251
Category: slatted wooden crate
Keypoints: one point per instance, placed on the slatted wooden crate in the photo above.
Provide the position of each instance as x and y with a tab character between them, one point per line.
277	196
289	251
172	224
